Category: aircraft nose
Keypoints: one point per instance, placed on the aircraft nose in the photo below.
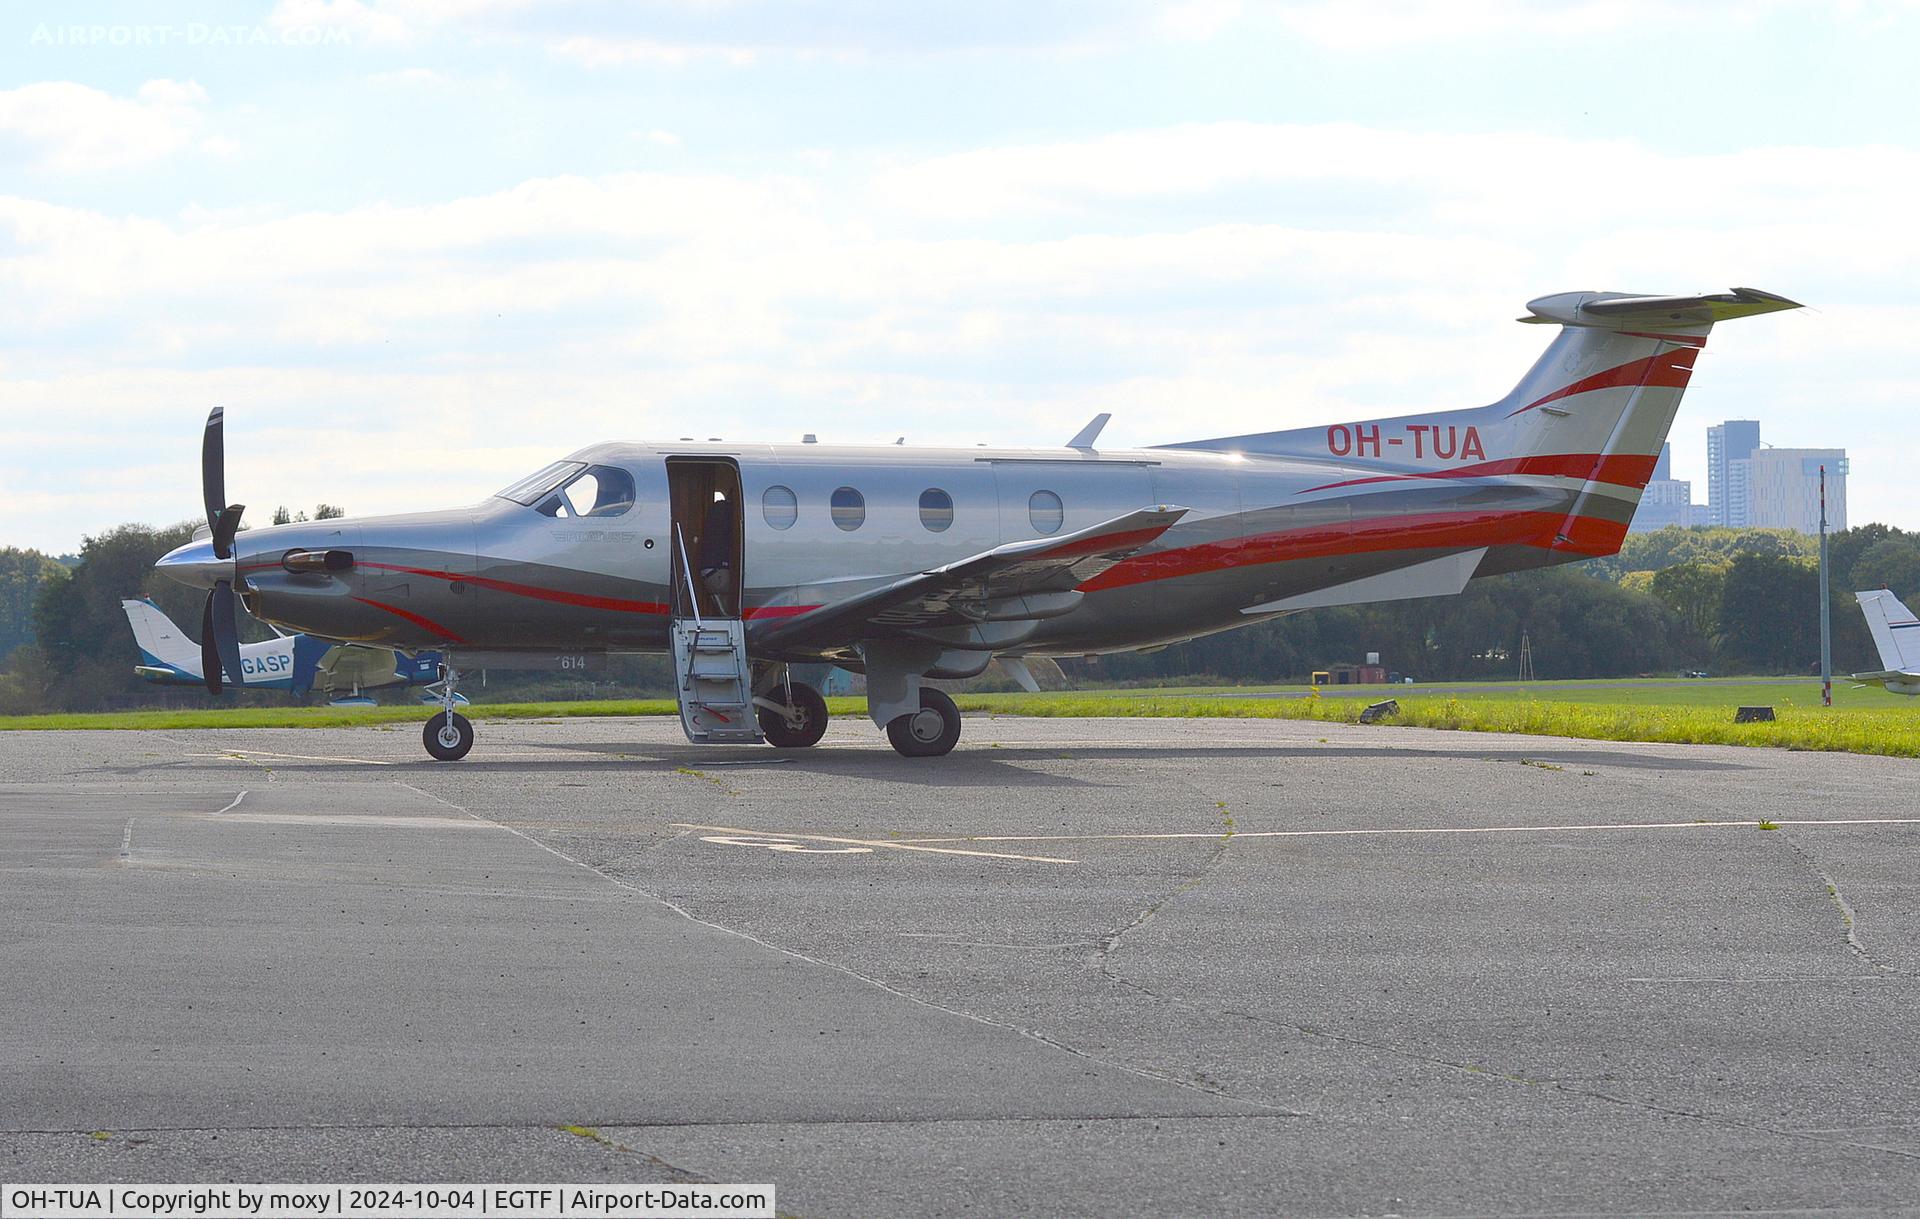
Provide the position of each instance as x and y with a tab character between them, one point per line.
195	565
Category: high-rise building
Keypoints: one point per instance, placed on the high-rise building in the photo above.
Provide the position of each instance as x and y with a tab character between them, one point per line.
1728	447
1783	489
1666	500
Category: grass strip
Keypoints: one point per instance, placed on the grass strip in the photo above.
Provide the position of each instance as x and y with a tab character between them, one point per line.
1889	731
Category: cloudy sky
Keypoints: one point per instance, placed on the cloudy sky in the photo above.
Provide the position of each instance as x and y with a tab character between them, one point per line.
419	247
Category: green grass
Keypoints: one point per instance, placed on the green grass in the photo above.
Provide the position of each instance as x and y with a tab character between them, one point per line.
1879	725
1861	721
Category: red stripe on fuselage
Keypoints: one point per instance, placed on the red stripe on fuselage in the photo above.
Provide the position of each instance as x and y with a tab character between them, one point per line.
1627	470
1417	531
584	600
424	623
1665	368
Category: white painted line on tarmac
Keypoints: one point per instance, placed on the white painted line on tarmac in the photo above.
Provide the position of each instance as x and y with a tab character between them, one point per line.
233	803
868	842
1803	979
781	844
241	755
1216	835
425	822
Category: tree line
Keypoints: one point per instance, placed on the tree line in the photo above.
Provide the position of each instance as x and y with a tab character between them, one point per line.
1723	600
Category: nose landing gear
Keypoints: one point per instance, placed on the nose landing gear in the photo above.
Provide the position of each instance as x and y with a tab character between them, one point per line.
448	736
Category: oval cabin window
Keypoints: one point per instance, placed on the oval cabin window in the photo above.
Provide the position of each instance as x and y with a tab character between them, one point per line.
849	508
780	506
936	509
1045	511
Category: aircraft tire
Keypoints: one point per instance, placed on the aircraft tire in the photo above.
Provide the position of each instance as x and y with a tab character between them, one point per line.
930	733
813	721
448	742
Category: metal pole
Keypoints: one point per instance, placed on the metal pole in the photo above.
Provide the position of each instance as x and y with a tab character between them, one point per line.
1826	608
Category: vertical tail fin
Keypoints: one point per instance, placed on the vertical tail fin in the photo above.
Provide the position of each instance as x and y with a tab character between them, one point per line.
1895	631
161	642
1583	427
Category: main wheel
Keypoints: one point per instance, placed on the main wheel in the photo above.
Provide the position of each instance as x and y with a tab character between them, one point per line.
782	733
448	736
929	732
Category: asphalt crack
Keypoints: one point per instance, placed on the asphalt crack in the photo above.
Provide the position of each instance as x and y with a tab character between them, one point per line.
1849	921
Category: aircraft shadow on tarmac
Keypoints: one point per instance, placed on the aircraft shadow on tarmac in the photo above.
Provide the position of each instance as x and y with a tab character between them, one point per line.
953	769
978	767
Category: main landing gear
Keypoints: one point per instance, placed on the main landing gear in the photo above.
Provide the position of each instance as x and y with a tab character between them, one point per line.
448	736
929	732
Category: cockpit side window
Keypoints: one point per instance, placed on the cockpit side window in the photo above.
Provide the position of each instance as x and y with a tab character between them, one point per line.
593	491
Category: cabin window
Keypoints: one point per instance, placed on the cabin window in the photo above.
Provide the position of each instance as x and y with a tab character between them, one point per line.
936	510
1045	511
594	491
780	506
849	508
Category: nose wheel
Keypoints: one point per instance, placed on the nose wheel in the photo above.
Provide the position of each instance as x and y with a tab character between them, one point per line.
800	723
929	732
448	736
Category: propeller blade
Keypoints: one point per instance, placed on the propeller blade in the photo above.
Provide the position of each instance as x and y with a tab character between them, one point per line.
225	526
213	467
226	629
209	649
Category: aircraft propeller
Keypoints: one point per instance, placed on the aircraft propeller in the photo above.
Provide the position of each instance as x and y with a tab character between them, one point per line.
219	621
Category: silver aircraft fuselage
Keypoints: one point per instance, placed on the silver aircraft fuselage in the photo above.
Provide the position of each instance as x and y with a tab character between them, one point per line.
502	576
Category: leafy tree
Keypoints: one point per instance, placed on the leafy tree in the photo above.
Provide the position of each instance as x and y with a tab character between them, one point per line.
1769	615
1700	544
1693	591
324	512
80	629
21	574
1892	562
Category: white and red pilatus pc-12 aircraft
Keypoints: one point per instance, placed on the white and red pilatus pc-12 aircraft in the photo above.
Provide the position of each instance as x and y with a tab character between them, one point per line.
905	564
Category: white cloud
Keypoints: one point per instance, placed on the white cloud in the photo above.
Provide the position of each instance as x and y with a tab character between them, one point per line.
416	78
591	51
1373	272
65	127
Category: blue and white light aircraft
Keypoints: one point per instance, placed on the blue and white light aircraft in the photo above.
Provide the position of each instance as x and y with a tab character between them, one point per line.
294	663
1896	633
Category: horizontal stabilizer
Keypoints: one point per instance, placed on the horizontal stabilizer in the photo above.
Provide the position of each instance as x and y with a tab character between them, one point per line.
1620	310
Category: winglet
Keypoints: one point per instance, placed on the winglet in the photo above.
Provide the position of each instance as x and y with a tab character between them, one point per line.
1084	438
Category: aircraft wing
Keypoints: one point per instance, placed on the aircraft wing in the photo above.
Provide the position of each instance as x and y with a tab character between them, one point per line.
986	586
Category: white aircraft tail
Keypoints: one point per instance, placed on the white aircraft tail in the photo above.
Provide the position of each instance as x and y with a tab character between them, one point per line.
1895	631
161	642
1595	408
